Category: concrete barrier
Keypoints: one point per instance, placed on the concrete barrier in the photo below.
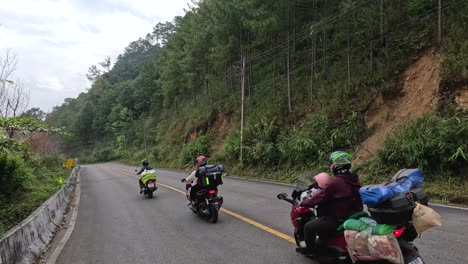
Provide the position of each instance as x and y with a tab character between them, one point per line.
26	241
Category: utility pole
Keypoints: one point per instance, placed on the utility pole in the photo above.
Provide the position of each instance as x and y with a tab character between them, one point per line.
242	108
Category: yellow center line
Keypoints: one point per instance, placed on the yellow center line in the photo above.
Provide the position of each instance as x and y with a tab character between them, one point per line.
231	213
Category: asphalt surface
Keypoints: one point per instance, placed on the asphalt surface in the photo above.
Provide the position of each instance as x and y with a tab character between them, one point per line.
117	225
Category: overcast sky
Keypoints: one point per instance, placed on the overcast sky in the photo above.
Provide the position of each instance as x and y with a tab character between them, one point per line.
57	40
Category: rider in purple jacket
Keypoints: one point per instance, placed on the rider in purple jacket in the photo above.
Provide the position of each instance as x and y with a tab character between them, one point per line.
336	202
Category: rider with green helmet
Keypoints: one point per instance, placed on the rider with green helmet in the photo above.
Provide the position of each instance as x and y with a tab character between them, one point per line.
335	203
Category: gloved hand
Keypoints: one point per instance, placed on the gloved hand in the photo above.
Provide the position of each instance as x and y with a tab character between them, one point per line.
183	180
296	194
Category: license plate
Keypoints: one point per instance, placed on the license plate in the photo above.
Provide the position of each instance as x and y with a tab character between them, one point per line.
150	185
417	260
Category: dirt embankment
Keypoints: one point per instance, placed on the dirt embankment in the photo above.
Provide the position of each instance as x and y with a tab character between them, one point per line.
420	82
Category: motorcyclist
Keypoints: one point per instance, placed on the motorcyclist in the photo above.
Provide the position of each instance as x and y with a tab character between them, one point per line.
146	167
191	182
336	202
320	181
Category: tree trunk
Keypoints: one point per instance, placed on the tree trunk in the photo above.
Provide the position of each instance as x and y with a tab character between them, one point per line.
315	10
325	74
371	63
273	69
381	22
312	65
205	79
349	53
439	22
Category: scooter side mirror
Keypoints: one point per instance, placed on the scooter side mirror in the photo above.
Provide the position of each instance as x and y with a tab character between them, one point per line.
282	196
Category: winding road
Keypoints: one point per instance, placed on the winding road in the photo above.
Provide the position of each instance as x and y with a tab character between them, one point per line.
115	224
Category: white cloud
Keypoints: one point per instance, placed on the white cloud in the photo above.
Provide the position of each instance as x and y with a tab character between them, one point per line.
51	83
57	40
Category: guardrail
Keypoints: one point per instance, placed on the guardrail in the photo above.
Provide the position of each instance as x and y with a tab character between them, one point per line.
27	241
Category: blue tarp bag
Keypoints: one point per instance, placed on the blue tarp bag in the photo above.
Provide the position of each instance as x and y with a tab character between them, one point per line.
402	182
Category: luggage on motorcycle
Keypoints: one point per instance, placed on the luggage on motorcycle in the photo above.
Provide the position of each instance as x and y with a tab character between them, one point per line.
404	181
399	209
210	175
359	226
425	218
148	175
362	246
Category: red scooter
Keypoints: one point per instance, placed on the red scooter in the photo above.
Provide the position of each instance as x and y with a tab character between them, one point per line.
333	249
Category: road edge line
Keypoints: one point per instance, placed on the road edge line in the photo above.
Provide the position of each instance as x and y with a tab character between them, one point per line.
58	249
449	206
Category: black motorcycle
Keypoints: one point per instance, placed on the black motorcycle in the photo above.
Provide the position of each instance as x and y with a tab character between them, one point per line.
206	201
149	182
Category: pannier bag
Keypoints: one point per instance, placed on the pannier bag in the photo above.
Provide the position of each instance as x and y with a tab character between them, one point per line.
401	183
362	246
425	218
148	175
210	175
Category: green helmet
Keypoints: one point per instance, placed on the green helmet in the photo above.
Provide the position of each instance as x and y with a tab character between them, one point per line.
340	161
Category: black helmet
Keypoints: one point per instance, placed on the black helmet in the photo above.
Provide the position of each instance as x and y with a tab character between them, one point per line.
145	162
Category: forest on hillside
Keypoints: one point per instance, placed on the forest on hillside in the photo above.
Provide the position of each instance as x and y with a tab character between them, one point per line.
308	71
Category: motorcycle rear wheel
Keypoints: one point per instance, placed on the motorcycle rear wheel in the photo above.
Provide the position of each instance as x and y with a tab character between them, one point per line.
213	218
150	194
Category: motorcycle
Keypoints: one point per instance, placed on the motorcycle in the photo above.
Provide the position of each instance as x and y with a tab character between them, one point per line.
149	182
206	201
334	249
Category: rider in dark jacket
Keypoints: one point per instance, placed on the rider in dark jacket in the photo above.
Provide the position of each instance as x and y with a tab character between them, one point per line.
336	202
146	167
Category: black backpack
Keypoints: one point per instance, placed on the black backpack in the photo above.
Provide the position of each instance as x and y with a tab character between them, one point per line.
210	175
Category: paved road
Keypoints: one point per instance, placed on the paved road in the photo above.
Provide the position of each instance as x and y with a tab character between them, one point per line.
117	225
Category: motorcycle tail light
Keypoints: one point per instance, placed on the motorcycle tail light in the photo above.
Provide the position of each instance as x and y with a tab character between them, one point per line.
212	192
398	232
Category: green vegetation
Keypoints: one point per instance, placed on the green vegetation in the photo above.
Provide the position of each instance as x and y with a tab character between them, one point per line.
25	185
437	145
26	179
310	70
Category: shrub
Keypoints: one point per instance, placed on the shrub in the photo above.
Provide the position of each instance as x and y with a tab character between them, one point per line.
104	154
194	149
14	175
433	143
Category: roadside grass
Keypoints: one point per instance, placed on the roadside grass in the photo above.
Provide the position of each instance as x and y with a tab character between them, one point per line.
449	191
47	181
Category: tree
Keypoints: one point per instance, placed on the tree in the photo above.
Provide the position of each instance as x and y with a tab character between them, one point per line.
94	72
162	32
13	98
34	113
8	63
